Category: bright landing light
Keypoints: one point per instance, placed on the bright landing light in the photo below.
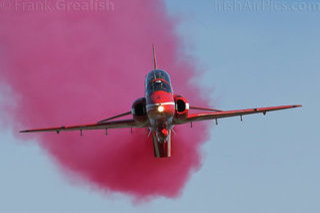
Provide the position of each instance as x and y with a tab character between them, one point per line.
160	108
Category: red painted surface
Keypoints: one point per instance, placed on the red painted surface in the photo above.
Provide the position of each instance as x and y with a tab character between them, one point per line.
230	113
161	97
70	68
164	132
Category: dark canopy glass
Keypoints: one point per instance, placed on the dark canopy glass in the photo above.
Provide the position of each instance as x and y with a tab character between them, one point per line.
158	80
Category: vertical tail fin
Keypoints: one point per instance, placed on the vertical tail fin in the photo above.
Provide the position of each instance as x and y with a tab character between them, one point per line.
154	58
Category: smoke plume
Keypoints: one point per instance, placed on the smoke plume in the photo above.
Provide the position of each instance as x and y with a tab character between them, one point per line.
69	64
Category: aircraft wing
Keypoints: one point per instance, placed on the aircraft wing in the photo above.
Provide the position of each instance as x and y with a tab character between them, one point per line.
231	113
107	125
103	124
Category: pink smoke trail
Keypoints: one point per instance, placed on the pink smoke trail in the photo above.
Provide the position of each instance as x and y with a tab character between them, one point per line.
68	66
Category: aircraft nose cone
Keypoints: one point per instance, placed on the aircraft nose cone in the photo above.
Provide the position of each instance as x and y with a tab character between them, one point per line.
160	97
160	105
160	111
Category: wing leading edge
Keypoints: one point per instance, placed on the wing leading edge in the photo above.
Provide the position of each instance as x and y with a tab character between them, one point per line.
103	124
107	125
231	113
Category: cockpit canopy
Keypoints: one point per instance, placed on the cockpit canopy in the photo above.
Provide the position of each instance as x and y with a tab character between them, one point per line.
158	80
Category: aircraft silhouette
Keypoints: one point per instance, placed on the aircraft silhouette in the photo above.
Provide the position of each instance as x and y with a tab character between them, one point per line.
159	111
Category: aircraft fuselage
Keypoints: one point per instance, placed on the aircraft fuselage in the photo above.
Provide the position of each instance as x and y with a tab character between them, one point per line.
160	108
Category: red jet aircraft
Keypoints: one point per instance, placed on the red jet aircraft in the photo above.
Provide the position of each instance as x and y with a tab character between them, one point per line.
159	111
